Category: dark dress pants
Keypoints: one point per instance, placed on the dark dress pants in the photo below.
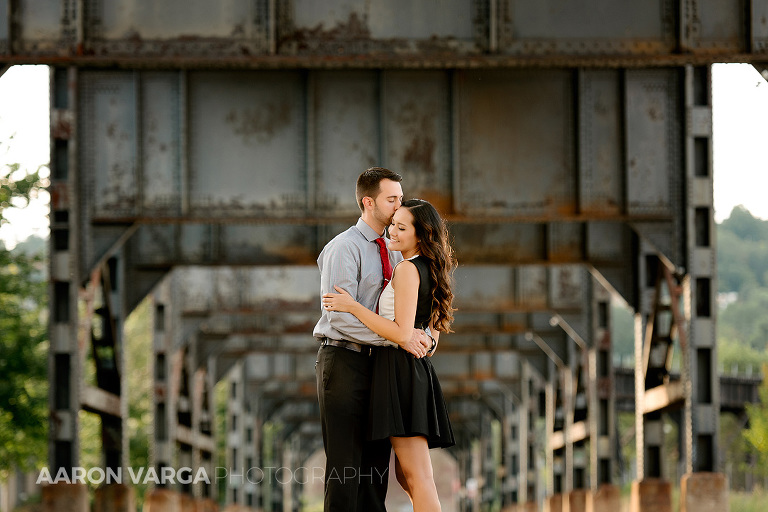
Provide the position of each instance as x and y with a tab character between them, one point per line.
356	470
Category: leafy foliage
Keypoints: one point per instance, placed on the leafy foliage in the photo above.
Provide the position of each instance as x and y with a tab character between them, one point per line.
138	351
742	252
23	348
16	191
742	262
23	335
745	320
757	433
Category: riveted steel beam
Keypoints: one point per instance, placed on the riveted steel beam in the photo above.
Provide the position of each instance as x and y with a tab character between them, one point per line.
279	34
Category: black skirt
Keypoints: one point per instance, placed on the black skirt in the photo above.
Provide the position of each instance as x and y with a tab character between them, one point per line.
406	399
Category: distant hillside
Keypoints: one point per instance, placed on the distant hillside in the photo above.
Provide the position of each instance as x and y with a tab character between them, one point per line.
742	252
32	246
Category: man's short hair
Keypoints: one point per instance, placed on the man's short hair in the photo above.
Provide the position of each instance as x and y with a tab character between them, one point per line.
368	183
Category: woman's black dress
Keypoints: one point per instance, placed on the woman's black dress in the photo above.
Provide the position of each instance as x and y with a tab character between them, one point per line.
406	398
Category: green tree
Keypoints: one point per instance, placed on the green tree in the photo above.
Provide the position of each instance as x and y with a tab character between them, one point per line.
23	336
742	252
138	352
745	225
757	433
23	387
745	320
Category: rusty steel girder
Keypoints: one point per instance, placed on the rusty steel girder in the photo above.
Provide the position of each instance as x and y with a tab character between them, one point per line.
336	34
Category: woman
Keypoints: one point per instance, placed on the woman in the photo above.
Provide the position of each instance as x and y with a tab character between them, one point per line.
407	404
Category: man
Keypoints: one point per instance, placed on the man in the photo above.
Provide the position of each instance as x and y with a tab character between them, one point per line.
356	472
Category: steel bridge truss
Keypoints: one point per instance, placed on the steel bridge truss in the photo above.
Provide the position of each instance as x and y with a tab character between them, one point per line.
206	155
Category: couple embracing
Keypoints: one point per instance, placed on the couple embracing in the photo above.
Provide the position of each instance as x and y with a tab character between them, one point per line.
384	305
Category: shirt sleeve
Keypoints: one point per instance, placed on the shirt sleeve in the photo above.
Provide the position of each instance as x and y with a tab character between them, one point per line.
343	269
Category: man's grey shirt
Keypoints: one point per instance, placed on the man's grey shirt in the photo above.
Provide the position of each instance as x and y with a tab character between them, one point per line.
352	261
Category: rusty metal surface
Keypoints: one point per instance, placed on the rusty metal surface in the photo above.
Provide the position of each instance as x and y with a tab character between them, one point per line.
653	140
341	26
108	100
345	136
160	150
4	26
715	29
340	32
759	26
163	246
144	19
41	24
515	132
601	187
246	143
416	133
252	155
639	27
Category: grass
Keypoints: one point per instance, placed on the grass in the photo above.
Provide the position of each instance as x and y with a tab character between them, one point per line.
748	502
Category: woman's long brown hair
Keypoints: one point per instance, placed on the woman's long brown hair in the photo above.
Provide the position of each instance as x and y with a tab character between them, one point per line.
432	234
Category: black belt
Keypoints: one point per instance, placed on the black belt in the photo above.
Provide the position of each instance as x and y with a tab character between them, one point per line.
349	345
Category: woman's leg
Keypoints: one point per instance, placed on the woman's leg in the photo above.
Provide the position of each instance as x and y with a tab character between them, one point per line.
401	479
416	466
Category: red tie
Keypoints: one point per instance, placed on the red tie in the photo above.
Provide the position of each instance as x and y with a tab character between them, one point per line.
386	266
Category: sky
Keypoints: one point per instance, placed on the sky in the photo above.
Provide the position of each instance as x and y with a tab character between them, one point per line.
740	131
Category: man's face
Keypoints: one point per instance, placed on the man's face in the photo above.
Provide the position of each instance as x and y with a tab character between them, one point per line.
387	202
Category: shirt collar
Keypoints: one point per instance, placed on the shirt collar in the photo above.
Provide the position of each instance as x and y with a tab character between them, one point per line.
367	231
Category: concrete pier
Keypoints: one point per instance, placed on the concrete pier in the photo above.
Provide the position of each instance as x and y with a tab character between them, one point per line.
64	497
651	495
162	500
607	498
206	505
576	501
529	506
554	503
704	492
114	498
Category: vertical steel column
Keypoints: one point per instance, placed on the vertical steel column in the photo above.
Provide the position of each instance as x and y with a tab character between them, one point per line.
602	407
511	427
702	391
475	470
235	451
291	460
251	437
579	414
553	467
565	392
161	449
649	432
569	375
113	380
527	483
208	427
486	466
194	420
258	421
182	441
202	426
64	357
